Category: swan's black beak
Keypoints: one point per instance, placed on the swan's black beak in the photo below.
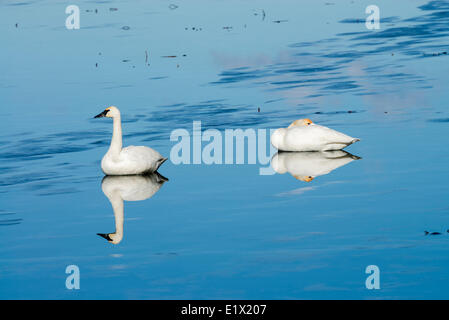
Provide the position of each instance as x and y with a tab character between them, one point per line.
105	235
101	115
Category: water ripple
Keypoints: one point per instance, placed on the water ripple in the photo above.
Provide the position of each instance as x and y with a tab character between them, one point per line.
330	68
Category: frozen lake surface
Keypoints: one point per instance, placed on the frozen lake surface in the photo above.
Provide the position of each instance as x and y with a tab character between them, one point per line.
224	231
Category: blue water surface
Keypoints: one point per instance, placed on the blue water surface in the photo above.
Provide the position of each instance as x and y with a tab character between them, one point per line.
225	231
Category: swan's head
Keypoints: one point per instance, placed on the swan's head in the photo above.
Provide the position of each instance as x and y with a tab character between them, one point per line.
110	112
301	123
277	138
113	238
304	178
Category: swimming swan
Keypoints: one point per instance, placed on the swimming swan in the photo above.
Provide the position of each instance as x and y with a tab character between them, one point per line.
306	166
304	135
127	188
129	160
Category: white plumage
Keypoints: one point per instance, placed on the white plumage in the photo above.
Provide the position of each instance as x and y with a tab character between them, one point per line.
304	135
130	160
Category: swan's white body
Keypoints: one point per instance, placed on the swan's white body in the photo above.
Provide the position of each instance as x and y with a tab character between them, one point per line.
127	188
306	166
309	137
130	160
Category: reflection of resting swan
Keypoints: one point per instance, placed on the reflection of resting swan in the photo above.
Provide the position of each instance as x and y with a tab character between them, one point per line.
304	135
128	188
305	166
129	160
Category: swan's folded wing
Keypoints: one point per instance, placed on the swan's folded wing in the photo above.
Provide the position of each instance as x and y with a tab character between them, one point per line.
141	159
331	136
140	153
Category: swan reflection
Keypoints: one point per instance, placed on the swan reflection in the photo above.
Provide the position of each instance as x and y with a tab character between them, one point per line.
306	166
127	188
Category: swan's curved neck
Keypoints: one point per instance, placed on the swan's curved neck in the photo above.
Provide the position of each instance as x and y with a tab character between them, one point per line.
116	142
118	208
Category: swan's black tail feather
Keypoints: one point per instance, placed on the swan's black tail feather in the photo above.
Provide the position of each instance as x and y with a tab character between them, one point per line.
160	162
160	177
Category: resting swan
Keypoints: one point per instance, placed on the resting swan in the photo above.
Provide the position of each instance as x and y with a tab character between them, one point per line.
304	135
129	160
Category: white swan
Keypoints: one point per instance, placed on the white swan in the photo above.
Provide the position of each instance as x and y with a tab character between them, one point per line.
304	135
306	166
130	160
127	188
